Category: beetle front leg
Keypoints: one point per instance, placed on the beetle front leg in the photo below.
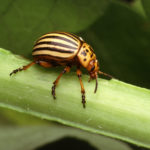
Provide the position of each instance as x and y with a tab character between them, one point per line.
66	69
22	68
79	73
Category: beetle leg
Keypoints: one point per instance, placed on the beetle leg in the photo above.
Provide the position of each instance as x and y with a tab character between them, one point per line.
79	73
66	69
22	68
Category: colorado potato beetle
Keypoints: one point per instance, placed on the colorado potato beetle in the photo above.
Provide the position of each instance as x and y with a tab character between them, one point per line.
65	49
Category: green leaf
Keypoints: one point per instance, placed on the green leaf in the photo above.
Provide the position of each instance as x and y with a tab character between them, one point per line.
117	110
22	22
32	137
31	131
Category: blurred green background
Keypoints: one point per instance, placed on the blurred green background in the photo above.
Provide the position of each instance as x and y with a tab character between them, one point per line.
118	31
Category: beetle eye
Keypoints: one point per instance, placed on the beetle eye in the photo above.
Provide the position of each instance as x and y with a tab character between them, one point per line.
92	68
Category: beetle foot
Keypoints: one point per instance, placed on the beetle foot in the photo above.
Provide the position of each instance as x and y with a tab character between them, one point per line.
15	71
53	91
83	100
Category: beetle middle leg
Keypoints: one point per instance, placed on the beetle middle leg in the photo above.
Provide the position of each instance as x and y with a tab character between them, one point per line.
66	69
79	73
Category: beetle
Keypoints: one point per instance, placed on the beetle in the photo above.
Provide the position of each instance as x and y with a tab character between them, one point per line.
65	49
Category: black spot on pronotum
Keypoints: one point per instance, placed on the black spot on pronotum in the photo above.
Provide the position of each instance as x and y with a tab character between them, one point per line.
91	49
91	55
87	50
84	59
83	53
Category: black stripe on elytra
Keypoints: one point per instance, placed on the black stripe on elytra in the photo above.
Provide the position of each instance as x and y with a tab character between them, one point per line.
52	49
52	56
60	38
51	43
71	35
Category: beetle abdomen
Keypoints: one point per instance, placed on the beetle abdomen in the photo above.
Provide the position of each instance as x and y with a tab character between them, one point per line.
57	45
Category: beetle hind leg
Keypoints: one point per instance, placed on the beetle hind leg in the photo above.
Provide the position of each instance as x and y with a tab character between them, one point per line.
79	73
66	69
22	68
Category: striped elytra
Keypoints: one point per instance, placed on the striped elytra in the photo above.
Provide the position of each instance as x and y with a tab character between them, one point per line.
65	49
57	45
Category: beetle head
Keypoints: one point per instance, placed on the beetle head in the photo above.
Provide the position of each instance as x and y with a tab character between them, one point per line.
93	69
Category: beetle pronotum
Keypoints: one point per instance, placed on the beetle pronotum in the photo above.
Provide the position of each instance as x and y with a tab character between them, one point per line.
65	49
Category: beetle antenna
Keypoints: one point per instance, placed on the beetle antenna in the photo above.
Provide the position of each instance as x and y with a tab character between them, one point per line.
96	85
105	74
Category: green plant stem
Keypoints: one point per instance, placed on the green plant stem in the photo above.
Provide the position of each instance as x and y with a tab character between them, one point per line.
117	110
